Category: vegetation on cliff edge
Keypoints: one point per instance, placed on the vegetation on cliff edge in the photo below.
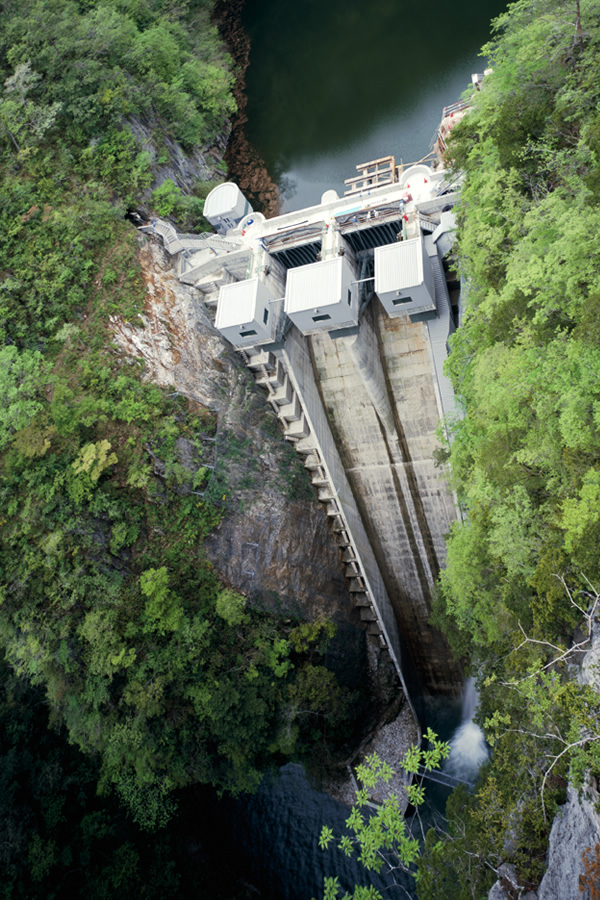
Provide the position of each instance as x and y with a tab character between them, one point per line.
523	568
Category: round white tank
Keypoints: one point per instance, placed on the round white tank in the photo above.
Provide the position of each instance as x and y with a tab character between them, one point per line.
329	196
417	180
225	207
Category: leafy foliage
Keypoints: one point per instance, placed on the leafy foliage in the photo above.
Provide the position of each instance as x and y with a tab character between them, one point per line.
523	566
160	673
140	60
381	839
58	838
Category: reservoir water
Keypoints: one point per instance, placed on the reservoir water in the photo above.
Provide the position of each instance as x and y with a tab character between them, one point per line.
334	84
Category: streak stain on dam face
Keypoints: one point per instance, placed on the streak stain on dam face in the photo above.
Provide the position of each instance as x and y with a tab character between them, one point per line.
405	503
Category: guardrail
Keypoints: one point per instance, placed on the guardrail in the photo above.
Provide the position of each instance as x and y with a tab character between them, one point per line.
455	107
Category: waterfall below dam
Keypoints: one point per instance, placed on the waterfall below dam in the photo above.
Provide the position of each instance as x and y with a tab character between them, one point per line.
468	750
274	834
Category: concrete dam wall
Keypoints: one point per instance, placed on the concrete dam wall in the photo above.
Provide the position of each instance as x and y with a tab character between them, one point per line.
378	392
351	359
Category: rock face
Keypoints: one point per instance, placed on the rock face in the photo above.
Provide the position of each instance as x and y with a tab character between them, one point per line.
590	667
184	168
576	830
178	344
274	543
507	887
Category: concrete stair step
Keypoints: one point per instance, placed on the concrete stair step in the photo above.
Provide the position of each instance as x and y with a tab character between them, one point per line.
361	600
377	640
291	412
283	394
272	376
367	614
298	429
349	555
352	570
374	629
313	460
357	585
306	446
325	493
262	358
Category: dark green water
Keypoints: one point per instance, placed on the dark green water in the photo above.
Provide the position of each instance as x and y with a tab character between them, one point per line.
332	84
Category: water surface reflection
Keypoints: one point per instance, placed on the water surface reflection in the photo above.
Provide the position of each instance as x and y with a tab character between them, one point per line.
332	85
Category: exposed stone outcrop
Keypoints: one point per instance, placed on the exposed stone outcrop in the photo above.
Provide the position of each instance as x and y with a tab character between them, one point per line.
177	342
576	829
590	666
508	888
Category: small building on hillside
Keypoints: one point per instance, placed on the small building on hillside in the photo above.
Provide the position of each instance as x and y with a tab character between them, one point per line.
245	313
404	279
322	296
225	207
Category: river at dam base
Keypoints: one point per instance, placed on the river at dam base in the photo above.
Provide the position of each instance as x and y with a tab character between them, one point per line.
276	832
273	834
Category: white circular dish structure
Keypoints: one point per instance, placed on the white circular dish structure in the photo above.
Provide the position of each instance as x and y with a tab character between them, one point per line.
417	180
226	206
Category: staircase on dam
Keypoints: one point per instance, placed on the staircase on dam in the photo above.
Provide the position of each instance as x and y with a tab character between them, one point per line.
271	373
352	364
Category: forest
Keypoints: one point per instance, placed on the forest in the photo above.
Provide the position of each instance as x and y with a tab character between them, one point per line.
132	675
520	588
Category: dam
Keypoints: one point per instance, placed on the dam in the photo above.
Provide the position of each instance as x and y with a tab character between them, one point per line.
341	312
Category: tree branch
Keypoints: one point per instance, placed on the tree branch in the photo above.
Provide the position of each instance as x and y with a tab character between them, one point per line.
562	654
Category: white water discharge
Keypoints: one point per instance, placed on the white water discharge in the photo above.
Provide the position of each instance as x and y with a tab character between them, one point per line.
468	750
